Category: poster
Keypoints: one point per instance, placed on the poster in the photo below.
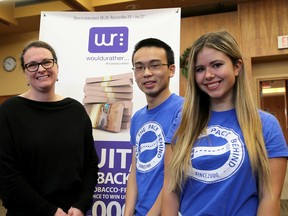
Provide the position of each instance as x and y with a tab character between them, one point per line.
94	52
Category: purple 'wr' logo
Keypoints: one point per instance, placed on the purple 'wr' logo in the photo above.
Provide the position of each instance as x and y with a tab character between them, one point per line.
108	40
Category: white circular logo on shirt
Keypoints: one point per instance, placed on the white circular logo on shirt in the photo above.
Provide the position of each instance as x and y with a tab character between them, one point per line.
230	153
150	146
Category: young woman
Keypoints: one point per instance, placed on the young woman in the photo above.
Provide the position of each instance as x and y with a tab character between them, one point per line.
224	156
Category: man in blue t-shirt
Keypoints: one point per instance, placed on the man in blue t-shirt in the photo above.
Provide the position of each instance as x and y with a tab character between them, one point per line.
153	65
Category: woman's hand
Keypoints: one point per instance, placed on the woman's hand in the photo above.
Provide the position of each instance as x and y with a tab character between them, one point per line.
75	212
60	212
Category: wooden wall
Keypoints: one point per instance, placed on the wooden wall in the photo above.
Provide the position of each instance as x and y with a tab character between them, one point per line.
274	104
255	26
261	23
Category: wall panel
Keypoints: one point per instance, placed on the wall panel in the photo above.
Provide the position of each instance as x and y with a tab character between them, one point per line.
261	23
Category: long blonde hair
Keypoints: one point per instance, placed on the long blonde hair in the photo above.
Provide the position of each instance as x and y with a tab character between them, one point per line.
196	114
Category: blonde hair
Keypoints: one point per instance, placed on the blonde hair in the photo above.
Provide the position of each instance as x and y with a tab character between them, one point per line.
196	114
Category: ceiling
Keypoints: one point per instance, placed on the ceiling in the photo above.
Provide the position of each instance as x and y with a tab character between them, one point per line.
18	16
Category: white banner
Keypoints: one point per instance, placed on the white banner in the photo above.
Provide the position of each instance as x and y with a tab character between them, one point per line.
90	45
71	34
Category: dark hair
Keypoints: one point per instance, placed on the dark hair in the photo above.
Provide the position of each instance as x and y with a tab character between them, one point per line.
40	44
154	42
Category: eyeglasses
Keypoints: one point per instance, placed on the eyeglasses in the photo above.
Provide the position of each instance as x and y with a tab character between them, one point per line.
34	66
152	67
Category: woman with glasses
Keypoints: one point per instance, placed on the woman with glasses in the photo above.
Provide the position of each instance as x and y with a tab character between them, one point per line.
227	157
48	163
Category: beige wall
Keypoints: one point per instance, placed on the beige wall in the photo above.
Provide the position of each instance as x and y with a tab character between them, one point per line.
12	83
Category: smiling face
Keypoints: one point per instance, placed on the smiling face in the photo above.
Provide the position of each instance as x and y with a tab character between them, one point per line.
215	75
154	83
42	80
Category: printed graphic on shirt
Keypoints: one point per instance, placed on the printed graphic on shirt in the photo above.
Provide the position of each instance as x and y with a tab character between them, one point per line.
217	155
150	146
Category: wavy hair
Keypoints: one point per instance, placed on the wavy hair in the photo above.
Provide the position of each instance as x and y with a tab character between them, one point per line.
196	114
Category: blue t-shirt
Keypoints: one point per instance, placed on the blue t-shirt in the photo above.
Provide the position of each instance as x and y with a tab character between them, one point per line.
220	181
148	133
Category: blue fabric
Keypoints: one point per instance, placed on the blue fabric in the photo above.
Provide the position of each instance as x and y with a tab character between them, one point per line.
221	180
148	133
